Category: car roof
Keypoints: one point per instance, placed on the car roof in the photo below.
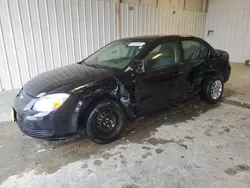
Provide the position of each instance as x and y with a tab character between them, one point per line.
155	37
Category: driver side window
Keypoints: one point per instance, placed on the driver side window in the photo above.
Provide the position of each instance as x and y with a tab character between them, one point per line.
163	55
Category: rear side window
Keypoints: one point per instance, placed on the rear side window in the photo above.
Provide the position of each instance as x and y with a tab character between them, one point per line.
194	50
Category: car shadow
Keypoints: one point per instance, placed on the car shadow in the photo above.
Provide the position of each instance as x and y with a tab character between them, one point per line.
168	117
229	93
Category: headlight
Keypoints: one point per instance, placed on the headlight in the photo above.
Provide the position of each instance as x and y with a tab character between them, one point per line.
51	102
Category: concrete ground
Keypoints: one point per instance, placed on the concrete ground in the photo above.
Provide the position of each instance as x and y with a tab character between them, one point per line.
6	99
238	87
239	79
192	145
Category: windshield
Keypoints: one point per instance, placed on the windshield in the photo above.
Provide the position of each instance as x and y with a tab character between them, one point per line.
116	55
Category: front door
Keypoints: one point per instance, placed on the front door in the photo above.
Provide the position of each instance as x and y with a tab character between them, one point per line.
161	80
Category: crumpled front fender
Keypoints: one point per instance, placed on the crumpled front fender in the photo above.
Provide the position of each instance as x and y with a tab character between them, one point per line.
87	93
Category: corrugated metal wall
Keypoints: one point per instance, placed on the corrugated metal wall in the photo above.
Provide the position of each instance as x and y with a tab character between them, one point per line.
143	20
39	35
231	31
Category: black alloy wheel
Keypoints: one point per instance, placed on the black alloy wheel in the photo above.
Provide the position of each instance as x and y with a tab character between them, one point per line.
106	122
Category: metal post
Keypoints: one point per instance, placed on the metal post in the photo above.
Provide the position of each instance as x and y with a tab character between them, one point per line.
118	19
205	5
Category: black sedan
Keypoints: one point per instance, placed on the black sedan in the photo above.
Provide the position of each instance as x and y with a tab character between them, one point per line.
119	83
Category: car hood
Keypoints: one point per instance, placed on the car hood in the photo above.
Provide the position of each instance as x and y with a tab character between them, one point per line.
70	75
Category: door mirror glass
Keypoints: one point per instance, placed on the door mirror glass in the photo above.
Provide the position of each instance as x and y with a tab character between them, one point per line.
140	66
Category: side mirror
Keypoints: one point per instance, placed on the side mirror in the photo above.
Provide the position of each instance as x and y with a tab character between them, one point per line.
140	66
144	65
148	63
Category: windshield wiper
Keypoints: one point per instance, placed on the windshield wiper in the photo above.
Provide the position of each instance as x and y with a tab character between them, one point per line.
95	66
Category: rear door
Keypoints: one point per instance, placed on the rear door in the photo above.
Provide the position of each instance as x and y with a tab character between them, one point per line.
195	53
161	82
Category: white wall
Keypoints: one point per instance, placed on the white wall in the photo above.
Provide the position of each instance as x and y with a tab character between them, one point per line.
193	5
227	4
178	4
230	21
144	20
141	2
36	36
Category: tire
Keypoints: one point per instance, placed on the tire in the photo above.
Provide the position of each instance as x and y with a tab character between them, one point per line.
212	89
106	122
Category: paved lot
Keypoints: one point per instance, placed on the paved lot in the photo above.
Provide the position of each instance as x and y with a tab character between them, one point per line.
6	99
239	80
194	145
238	86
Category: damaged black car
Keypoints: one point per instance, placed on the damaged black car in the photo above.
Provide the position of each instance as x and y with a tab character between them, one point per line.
122	81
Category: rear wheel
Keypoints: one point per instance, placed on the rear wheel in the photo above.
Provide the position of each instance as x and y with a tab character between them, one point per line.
212	88
106	122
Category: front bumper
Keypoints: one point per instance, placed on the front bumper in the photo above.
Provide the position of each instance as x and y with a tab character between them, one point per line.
57	124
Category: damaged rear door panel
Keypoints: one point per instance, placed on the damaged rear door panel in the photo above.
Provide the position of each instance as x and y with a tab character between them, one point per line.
195	54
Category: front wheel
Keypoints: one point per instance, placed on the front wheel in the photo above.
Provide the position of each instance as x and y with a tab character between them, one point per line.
106	122
212	88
